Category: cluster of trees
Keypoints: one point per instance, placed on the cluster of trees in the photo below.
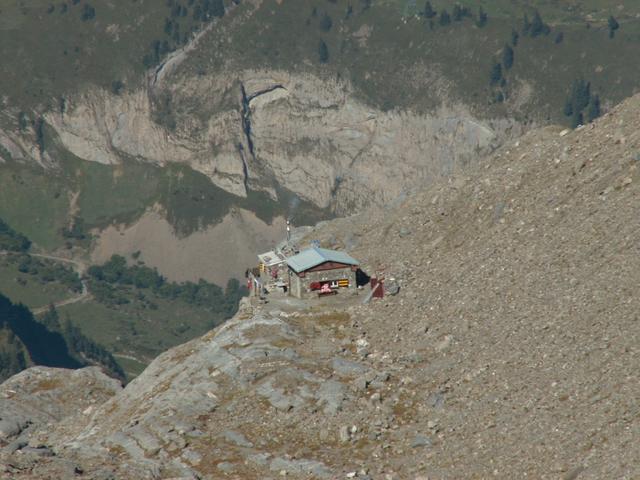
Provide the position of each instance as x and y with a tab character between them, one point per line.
108	294
185	17
106	280
159	48
581	104
116	271
80	346
63	8
205	10
530	27
48	271
44	347
88	13
458	14
24	341
11	240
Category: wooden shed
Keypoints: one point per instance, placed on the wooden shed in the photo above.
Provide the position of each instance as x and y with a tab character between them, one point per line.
321	271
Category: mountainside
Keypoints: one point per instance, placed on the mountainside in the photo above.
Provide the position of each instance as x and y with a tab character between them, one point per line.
194	110
510	349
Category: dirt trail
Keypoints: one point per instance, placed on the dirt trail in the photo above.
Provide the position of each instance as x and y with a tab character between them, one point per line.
78	266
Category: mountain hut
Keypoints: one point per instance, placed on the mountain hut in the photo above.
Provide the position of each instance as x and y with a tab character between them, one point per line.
319	271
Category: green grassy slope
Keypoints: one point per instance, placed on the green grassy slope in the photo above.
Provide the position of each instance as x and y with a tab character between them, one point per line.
41	204
397	60
30	290
52	49
50	53
130	309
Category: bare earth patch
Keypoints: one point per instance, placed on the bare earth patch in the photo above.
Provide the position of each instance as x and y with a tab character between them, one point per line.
215	254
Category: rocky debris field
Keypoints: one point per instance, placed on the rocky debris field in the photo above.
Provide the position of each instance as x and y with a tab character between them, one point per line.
510	350
517	324
39	398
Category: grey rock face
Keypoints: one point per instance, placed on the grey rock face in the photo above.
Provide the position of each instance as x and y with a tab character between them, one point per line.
42	395
307	134
204	404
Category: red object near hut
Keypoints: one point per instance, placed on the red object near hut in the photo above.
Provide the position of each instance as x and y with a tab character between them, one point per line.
378	287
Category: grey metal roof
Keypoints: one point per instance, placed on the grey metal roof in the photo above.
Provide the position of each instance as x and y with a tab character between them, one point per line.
314	256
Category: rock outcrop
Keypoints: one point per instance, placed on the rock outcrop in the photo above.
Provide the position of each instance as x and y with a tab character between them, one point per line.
180	418
39	398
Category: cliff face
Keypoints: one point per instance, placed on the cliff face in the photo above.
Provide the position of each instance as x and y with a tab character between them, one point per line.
264	129
510	348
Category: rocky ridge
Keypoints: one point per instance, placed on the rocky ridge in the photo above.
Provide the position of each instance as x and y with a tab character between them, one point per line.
510	350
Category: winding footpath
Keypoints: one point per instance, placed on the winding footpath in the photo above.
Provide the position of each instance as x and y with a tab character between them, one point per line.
79	267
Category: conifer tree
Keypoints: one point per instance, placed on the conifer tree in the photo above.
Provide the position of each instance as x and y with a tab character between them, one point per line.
445	18
326	23
428	11
568	108
515	36
538	27
507	57
594	108
577	119
323	52
613	26
457	13
495	77
580	95
526	25
482	18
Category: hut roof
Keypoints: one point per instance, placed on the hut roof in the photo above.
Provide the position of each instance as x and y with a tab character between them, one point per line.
271	258
314	256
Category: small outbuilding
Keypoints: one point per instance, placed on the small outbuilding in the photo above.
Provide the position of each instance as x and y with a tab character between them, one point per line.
319	271
270	260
